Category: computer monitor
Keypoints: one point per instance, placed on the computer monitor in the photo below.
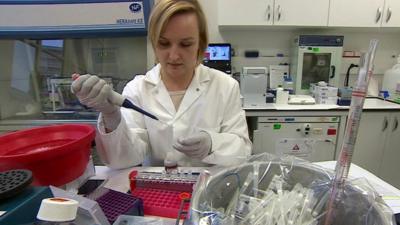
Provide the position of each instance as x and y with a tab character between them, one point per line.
218	56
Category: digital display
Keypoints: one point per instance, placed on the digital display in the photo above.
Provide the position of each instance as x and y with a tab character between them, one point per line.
218	52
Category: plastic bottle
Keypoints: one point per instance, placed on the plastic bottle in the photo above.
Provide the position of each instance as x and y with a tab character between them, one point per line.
281	96
288	85
391	79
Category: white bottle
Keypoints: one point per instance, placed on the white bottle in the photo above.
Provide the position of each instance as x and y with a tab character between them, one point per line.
281	96
391	79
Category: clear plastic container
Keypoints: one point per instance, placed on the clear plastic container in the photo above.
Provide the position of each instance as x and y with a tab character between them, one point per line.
391	79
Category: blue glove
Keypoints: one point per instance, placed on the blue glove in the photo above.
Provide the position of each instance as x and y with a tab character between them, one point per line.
196	146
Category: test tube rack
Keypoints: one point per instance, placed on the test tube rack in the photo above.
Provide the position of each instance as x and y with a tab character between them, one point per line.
161	192
115	203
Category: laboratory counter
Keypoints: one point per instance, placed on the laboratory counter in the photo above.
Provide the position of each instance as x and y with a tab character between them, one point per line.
370	104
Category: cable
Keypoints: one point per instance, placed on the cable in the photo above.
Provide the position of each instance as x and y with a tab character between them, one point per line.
346	79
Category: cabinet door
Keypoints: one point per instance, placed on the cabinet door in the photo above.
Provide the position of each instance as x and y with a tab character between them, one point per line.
239	12
390	166
301	13
391	14
370	140
356	13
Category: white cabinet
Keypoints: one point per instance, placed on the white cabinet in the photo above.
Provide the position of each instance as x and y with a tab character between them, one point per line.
273	12
370	140
378	145
312	138
391	14
364	13
390	166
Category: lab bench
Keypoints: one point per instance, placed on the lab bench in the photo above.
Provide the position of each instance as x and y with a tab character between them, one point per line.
377	142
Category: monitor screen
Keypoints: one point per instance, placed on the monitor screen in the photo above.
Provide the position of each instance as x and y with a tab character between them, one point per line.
218	52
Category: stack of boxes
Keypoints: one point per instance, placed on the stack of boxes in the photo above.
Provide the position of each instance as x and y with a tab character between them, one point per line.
324	94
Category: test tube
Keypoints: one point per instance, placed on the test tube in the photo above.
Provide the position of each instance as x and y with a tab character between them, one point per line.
170	164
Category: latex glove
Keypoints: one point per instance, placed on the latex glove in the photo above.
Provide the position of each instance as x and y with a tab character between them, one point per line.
94	93
196	146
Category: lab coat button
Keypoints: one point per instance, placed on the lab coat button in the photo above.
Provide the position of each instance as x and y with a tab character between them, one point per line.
197	89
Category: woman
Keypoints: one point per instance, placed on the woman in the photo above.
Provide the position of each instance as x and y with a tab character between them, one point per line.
203	120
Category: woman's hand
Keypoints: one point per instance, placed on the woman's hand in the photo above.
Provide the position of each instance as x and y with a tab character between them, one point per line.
196	146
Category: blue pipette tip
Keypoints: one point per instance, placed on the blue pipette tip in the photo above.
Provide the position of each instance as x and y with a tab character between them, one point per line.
130	105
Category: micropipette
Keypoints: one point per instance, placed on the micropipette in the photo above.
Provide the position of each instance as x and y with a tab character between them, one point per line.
119	100
357	102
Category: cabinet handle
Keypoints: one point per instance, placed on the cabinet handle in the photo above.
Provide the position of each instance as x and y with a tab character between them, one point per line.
268	12
385	124
396	124
378	14
333	69
388	14
279	12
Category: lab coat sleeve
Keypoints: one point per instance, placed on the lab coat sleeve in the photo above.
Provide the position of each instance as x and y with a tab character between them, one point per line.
232	144
127	145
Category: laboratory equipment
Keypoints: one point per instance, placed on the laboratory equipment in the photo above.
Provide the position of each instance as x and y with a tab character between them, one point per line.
62	100
89	211
253	86
282	96
268	190
349	140
310	138
23	207
115	203
315	58
391	81
218	56
325	94
277	74
13	182
161	191
301	100
117	99
58	210
138	220
55	154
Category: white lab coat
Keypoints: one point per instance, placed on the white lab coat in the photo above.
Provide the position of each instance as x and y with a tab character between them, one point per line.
212	96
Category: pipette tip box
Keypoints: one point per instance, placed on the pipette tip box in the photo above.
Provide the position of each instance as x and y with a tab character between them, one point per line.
161	193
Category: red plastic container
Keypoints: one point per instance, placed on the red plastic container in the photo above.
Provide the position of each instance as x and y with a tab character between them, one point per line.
55	154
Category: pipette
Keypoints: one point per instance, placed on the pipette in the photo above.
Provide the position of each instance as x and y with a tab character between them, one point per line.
357	102
119	100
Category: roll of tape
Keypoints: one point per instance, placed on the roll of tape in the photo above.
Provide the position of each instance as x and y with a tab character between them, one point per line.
57	210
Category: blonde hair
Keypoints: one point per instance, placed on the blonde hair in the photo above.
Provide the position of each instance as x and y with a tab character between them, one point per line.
165	9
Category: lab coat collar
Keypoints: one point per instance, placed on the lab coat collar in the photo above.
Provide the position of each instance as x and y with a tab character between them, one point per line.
195	89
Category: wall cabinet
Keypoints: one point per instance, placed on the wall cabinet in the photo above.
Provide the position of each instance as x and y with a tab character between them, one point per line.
273	12
377	145
364	13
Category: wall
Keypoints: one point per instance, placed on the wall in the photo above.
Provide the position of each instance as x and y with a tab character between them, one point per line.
271	40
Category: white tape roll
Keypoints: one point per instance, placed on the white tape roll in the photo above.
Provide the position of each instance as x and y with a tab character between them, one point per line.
57	210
